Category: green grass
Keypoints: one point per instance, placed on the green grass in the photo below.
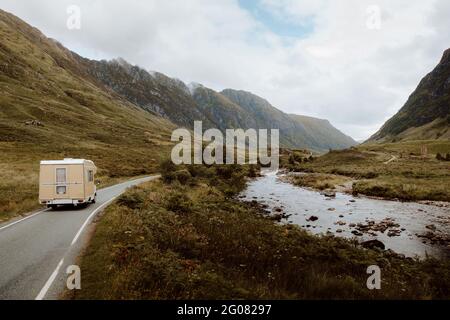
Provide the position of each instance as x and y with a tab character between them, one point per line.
192	240
409	177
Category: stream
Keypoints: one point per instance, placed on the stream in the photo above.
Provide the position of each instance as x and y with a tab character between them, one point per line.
408	228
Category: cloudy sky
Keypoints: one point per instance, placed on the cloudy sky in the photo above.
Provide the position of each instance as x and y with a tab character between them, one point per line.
354	62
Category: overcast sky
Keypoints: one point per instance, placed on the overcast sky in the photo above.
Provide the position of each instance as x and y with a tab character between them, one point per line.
332	59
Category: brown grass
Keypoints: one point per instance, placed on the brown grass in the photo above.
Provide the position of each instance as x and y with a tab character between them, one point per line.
192	241
409	177
319	181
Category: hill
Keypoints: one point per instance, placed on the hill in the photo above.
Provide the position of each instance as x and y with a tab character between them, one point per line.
183	104
295	131
426	114
56	104
51	108
324	134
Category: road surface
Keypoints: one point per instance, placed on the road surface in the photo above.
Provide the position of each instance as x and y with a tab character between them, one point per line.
35	251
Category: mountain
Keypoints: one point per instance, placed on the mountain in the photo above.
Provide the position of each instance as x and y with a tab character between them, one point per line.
50	107
323	134
426	114
295	130
85	102
183	104
153	92
56	104
221	111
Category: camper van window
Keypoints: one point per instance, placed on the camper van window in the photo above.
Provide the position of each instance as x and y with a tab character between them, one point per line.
91	175
61	190
60	175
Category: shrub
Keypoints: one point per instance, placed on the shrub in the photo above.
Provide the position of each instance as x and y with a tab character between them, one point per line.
168	171
133	199
182	176
252	171
292	159
226	171
200	171
179	202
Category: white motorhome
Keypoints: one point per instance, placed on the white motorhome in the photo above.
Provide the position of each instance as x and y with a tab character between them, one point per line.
67	182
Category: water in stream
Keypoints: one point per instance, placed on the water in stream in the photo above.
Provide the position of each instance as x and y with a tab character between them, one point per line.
340	215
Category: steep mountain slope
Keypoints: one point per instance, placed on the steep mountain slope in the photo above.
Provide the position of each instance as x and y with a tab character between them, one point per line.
154	92
296	131
324	134
56	104
51	108
221	111
426	114
183	105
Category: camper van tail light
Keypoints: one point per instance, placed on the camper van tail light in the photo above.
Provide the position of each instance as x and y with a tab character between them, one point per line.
80	201
44	202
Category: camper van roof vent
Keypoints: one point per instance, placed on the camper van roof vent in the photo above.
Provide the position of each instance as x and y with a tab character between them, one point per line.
63	162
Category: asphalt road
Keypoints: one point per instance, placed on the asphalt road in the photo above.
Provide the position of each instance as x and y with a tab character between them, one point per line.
36	251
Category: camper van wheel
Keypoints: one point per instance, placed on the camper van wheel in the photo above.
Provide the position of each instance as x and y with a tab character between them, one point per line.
95	199
52	206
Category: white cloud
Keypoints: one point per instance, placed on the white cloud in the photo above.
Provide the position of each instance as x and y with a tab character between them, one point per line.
354	76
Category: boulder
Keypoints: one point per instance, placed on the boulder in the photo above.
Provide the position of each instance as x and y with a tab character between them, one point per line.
329	194
373	244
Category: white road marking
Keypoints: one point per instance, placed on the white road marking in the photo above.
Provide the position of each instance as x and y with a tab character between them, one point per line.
45	210
21	220
49	282
52	278
89	219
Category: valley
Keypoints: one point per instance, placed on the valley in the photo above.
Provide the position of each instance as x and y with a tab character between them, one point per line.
57	104
209	230
190	236
390	171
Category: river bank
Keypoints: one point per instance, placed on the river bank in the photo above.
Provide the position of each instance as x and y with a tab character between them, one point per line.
408	228
188	236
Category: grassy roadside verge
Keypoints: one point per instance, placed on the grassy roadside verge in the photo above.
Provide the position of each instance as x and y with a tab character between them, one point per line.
391	171
19	170
186	237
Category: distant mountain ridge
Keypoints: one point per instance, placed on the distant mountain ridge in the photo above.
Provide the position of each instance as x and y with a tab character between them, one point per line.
41	79
183	104
300	131
51	108
426	114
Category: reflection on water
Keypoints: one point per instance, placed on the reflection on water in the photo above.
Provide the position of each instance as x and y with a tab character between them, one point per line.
340	215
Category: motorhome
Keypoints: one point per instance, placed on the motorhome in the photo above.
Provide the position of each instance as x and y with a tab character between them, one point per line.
67	182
